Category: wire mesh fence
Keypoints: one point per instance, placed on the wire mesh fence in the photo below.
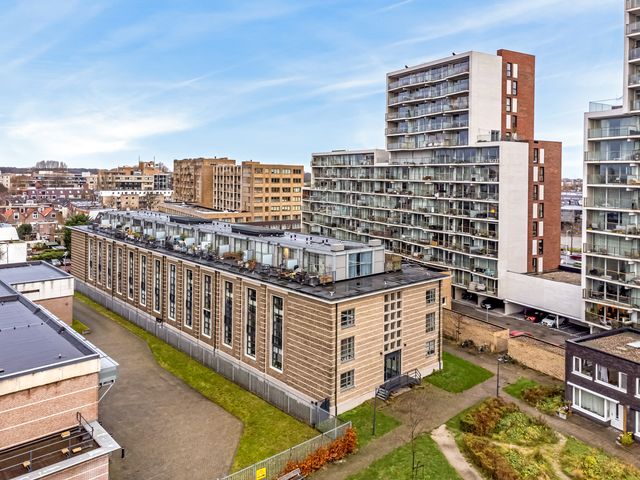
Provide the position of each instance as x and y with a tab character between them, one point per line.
259	384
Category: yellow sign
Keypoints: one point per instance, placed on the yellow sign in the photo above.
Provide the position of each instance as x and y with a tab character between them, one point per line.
261	474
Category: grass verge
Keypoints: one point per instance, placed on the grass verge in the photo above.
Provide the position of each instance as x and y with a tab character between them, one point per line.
266	431
458	375
397	464
79	327
361	418
583	462
546	399
517	388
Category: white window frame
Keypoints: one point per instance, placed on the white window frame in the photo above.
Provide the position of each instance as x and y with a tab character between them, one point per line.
579	372
157	285
427	295
637	423
612	387
428	352
587	412
638	388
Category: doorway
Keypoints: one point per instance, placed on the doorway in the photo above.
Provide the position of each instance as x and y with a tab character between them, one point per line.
392	365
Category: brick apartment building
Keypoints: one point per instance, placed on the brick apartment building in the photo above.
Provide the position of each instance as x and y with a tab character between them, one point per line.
327	320
463	184
49	383
249	192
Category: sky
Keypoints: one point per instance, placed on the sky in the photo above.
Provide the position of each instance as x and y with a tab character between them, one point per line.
103	83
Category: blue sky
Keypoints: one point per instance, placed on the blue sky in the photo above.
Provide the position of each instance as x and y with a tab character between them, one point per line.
99	83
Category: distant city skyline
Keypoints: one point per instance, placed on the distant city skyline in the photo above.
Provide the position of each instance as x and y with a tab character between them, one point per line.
101	85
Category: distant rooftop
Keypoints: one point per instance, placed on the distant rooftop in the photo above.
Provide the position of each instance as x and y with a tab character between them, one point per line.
563	276
623	343
27	272
31	340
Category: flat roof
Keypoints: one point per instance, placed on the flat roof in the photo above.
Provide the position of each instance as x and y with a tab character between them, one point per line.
27	272
615	342
409	274
31	340
563	276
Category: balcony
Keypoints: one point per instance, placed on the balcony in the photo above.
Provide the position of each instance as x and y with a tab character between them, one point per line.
429	76
611	298
613	180
436	126
633	28
612	204
613	131
634	54
614	228
632	4
436	109
447	142
625	157
628	253
428	93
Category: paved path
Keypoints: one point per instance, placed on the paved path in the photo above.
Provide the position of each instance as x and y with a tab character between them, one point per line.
168	430
448	447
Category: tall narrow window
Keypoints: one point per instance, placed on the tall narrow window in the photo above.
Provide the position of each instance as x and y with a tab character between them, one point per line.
251	323
172	292
143	280
99	262
119	271
130	276
206	306
156	285
228	313
109	260
277	311
90	259
188	299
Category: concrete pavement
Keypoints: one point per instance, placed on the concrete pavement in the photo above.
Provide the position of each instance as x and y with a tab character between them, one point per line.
168	430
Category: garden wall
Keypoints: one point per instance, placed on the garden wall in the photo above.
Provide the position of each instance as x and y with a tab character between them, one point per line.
538	355
459	327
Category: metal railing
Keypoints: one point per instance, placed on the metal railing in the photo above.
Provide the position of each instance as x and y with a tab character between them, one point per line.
275	465
430	76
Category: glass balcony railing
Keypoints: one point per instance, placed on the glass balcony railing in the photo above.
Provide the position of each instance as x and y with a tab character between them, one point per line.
429	93
633	27
633	156
616	228
634	78
614	203
632	4
447	142
407	129
432	110
634	53
613	132
633	253
430	76
613	179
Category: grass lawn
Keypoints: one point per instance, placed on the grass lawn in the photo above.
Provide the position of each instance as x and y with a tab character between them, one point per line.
361	418
517	388
78	326
397	464
266	431
582	462
458	375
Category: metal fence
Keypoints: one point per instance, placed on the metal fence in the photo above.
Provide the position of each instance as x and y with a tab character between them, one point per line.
276	464
259	384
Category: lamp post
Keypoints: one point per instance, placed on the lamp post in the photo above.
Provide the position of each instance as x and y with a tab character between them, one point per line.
487	307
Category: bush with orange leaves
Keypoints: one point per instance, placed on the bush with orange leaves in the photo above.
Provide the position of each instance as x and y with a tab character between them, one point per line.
336	450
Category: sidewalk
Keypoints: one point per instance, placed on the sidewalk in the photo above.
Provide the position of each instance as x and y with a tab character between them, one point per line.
450	450
575	425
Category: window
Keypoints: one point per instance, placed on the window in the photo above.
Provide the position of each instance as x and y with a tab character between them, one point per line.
206	306
347	380
534	264
541	174
172	292
514	121
541	210
431	322
99	262
130	276
536	155
508	106
348	318
228	313
431	296
431	348
277	316
188	299
156	285
251	322
588	402
514	87
119	271
611	377
582	366
360	264
143	280
109	254
638	392
347	349
540	247
90	259
535	229
509	69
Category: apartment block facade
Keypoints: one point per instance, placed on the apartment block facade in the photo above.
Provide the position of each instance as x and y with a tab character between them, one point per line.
327	320
262	192
463	185
611	232
142	177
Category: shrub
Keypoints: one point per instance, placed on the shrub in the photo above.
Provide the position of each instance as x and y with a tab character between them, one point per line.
489	458
336	450
521	429
546	399
626	439
483	420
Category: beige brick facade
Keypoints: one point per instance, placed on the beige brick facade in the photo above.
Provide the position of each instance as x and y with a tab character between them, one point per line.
61	307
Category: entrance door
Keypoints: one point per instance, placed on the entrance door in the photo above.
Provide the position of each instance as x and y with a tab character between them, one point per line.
392	365
615	411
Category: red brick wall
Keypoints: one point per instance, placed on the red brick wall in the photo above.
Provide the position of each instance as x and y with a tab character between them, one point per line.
61	307
97	468
525	93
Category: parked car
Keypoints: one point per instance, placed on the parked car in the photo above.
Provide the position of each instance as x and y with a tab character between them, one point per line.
550	320
490	303
519	333
533	316
56	263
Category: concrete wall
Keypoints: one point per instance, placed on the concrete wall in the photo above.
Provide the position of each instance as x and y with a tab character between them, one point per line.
485	97
538	355
555	297
459	327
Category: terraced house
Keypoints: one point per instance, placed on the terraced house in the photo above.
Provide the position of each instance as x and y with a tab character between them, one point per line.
327	320
463	185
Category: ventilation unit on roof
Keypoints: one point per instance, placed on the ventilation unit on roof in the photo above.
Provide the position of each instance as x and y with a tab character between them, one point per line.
634	344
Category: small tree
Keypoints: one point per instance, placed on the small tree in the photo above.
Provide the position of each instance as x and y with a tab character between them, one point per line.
24	231
77	219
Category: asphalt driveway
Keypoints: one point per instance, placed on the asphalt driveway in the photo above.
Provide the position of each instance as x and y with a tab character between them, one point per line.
168	430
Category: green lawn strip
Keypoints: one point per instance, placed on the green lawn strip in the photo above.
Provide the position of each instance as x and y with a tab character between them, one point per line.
267	430
78	326
361	418
583	462
458	375
517	388
397	464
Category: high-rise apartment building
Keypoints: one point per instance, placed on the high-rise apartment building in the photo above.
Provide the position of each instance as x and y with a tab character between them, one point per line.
462	185
143	177
611	234
258	192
